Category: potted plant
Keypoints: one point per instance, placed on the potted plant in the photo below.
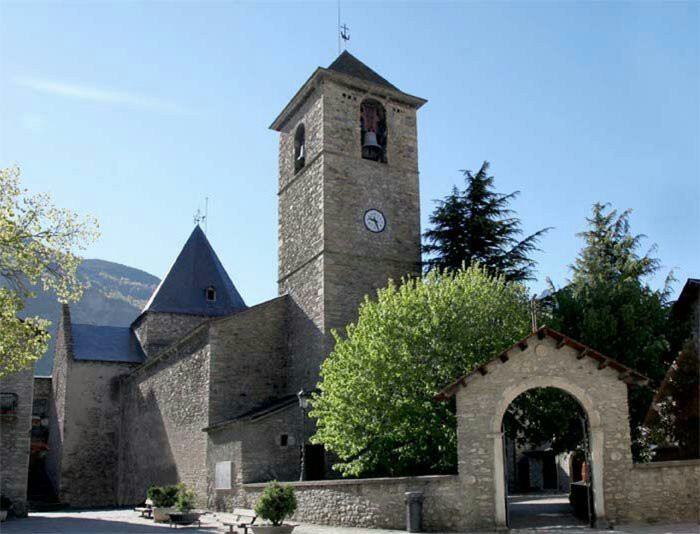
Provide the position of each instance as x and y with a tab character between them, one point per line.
5	505
163	498
276	503
184	504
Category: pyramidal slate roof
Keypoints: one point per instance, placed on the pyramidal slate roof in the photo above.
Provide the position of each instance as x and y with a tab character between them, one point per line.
184	288
105	344
348	64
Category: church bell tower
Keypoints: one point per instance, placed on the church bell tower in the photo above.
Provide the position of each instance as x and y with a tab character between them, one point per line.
349	212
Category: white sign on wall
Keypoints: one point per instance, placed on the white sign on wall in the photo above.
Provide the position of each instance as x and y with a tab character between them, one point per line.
223	475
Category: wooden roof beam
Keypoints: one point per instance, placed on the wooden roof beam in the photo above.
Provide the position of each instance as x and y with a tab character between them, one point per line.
582	354
522	345
504	357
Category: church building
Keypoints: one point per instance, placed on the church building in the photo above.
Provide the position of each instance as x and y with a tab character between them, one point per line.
203	388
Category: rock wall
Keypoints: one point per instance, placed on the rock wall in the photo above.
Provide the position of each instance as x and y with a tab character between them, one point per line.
57	409
164	409
257	453
372	503
89	470
248	359
157	330
661	492
15	428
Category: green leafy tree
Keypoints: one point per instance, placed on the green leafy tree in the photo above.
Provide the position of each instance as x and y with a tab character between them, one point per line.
609	305
476	225
37	248
545	415
375	409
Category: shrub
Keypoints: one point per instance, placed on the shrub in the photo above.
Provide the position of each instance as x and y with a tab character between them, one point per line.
276	503
163	496
185	499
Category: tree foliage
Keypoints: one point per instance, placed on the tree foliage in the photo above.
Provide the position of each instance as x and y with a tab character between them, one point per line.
673	420
375	409
545	415
609	305
37	248
476	225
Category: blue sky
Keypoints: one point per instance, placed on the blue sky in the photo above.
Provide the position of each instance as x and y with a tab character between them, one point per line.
135	111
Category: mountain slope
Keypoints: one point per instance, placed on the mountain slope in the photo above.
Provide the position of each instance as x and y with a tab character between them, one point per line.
116	296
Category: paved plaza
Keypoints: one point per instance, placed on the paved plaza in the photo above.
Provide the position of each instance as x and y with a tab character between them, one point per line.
123	521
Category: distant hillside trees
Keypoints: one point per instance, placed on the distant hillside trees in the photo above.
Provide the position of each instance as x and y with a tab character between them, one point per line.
38	244
475	224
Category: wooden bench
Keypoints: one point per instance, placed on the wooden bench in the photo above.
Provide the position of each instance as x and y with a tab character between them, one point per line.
145	511
241	518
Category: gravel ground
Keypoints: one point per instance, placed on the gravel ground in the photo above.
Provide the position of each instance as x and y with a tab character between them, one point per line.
128	522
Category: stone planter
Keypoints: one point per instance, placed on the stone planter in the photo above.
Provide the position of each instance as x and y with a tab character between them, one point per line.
3	515
161	514
270	529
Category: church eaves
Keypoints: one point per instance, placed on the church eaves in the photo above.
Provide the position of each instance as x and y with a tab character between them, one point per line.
197	283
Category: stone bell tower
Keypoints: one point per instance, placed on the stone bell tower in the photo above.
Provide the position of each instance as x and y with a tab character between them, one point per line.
349	213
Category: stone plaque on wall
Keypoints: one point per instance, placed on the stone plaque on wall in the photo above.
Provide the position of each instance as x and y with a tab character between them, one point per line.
223	475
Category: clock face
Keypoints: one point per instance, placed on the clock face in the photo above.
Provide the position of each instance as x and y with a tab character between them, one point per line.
375	221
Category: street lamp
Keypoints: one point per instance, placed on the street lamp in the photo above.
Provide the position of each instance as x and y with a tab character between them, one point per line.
303	397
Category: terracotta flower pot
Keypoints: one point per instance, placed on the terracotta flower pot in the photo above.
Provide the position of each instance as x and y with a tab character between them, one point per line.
271	529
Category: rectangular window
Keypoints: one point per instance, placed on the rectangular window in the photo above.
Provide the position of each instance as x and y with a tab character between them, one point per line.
8	404
222	479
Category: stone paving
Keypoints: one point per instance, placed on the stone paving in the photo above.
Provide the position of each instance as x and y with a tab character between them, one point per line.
123	521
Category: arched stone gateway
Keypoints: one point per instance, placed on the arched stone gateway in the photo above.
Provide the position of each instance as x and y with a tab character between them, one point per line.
546	358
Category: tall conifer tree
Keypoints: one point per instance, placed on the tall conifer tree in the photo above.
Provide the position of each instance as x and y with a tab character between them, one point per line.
476	225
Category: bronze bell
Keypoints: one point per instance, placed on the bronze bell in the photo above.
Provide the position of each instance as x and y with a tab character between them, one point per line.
370	140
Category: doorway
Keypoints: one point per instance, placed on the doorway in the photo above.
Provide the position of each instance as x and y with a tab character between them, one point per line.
547	461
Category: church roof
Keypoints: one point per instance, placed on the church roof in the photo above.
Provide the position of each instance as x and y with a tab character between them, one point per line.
348	64
105	344
184	288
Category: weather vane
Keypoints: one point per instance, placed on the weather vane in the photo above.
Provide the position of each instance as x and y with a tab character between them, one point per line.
202	218
343	31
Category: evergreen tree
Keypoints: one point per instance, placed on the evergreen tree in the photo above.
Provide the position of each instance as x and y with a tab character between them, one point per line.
609	305
476	225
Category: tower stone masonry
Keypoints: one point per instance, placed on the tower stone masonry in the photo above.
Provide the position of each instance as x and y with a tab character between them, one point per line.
332	251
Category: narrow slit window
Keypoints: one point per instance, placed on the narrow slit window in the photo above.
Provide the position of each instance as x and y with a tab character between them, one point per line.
299	148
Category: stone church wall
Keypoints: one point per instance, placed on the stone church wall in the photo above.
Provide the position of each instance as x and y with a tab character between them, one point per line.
256	452
164	408
157	330
15	431
90	440
373	503
248	359
57	407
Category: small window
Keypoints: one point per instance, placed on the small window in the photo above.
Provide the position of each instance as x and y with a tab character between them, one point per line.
8	404
299	148
284	440
373	130
211	294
